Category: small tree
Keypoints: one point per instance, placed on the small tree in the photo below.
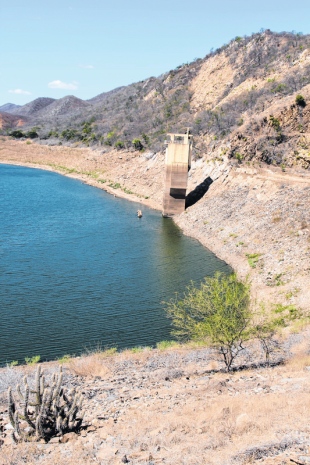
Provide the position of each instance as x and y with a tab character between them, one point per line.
218	311
264	330
32	134
269	323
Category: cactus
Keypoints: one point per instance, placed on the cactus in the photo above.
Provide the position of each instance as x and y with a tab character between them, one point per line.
47	411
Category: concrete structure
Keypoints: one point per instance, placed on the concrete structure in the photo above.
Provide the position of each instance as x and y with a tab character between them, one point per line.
178	163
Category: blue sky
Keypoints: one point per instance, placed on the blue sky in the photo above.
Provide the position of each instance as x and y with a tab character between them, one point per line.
82	48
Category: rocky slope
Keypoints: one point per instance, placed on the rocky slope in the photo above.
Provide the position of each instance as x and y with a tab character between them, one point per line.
176	407
32	109
9	121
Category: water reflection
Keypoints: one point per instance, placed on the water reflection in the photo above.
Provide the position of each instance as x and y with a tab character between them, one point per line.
78	267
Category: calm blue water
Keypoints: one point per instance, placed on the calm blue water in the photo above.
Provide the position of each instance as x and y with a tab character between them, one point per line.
78	268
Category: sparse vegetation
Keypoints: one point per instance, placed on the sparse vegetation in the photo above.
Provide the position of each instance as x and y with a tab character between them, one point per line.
253	259
138	116
164	345
32	360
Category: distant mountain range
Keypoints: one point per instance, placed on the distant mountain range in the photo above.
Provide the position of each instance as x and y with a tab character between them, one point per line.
8	107
33	108
250	97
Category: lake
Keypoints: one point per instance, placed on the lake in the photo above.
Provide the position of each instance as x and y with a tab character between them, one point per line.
79	269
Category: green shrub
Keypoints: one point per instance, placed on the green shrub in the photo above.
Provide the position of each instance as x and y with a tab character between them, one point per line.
253	259
32	360
64	359
163	345
32	134
238	157
137	144
275	123
109	352
146	138
137	350
13	363
110	139
217	312
279	88
300	100
119	145
115	185
17	134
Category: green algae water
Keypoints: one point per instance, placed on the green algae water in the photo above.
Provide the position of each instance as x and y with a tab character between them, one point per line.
79	269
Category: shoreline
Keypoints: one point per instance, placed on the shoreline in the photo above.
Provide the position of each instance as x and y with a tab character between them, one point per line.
249	211
120	194
89	181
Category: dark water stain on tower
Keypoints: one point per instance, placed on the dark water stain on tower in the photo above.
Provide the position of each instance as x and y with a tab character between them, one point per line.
178	163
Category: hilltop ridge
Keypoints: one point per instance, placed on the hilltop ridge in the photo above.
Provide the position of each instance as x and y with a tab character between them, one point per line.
243	92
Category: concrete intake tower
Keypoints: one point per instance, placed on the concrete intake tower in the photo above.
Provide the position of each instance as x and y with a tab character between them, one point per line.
177	164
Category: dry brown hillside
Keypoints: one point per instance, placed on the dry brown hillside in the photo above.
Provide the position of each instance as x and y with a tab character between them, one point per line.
8	121
241	98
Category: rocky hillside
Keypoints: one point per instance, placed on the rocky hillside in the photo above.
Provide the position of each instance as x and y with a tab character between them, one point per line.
8	121
33	108
175	406
247	99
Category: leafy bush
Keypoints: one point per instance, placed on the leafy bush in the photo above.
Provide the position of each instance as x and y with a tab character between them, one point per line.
163	345
32	360
274	122
253	259
17	134
218	312
137	144
119	145
300	100
32	134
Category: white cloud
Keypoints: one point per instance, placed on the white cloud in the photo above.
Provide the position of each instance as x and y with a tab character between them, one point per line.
19	92
63	85
87	66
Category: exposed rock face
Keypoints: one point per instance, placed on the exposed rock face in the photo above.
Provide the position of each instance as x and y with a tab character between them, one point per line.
8	121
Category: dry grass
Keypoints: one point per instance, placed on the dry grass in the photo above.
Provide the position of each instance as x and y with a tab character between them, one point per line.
300	358
96	364
31	454
212	431
251	416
